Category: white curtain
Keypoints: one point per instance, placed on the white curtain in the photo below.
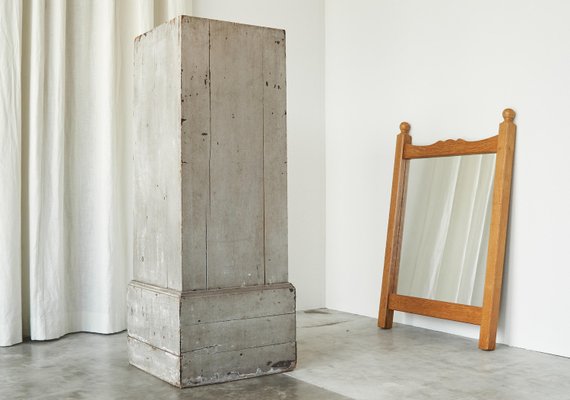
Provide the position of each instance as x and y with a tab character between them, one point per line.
446	228
65	162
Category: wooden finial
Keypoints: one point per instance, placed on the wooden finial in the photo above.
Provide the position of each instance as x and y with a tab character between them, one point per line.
509	115
404	128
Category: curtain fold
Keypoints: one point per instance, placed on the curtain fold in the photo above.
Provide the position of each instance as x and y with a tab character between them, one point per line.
10	174
66	154
43	109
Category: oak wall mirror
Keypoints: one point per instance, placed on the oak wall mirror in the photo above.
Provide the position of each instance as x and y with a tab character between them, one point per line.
447	229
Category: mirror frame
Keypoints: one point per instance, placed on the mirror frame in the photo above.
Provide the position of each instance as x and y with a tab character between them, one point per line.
486	316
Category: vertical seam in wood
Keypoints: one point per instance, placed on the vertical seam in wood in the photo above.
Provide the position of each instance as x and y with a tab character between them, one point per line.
180	22
180	338
263	165
208	209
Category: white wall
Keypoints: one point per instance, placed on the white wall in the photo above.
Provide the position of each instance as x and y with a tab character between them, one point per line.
304	25
449	68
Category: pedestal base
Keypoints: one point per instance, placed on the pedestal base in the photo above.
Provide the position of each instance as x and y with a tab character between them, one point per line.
211	336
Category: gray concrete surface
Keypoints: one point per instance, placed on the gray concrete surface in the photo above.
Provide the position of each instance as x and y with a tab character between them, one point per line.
340	356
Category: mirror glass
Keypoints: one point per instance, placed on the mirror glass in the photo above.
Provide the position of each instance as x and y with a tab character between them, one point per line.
446	228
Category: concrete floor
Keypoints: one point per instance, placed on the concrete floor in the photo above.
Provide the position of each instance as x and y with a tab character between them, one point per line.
341	356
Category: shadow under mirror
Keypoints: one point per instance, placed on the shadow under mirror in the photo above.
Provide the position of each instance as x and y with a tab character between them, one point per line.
446	228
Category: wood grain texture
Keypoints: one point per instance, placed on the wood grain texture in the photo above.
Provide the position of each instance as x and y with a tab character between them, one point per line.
157	208
217	337
210	327
155	361
211	155
275	156
152	316
498	231
436	308
196	141
235	220
201	368
395	224
451	147
205	306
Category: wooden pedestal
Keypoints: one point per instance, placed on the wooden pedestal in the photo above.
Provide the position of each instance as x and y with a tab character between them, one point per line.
210	301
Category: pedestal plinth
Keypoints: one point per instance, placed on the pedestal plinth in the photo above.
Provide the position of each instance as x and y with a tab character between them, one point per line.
210	300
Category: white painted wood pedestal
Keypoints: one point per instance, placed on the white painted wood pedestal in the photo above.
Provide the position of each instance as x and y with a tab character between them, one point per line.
210	301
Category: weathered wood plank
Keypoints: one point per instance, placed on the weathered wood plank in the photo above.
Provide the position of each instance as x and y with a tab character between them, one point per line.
240	303
239	334
157	192
235	223
196	137
157	362
275	155
223	319
153	317
201	368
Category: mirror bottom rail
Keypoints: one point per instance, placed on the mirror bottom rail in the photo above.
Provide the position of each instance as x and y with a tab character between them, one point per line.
436	308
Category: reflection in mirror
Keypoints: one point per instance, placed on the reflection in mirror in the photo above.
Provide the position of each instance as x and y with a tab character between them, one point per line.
446	228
